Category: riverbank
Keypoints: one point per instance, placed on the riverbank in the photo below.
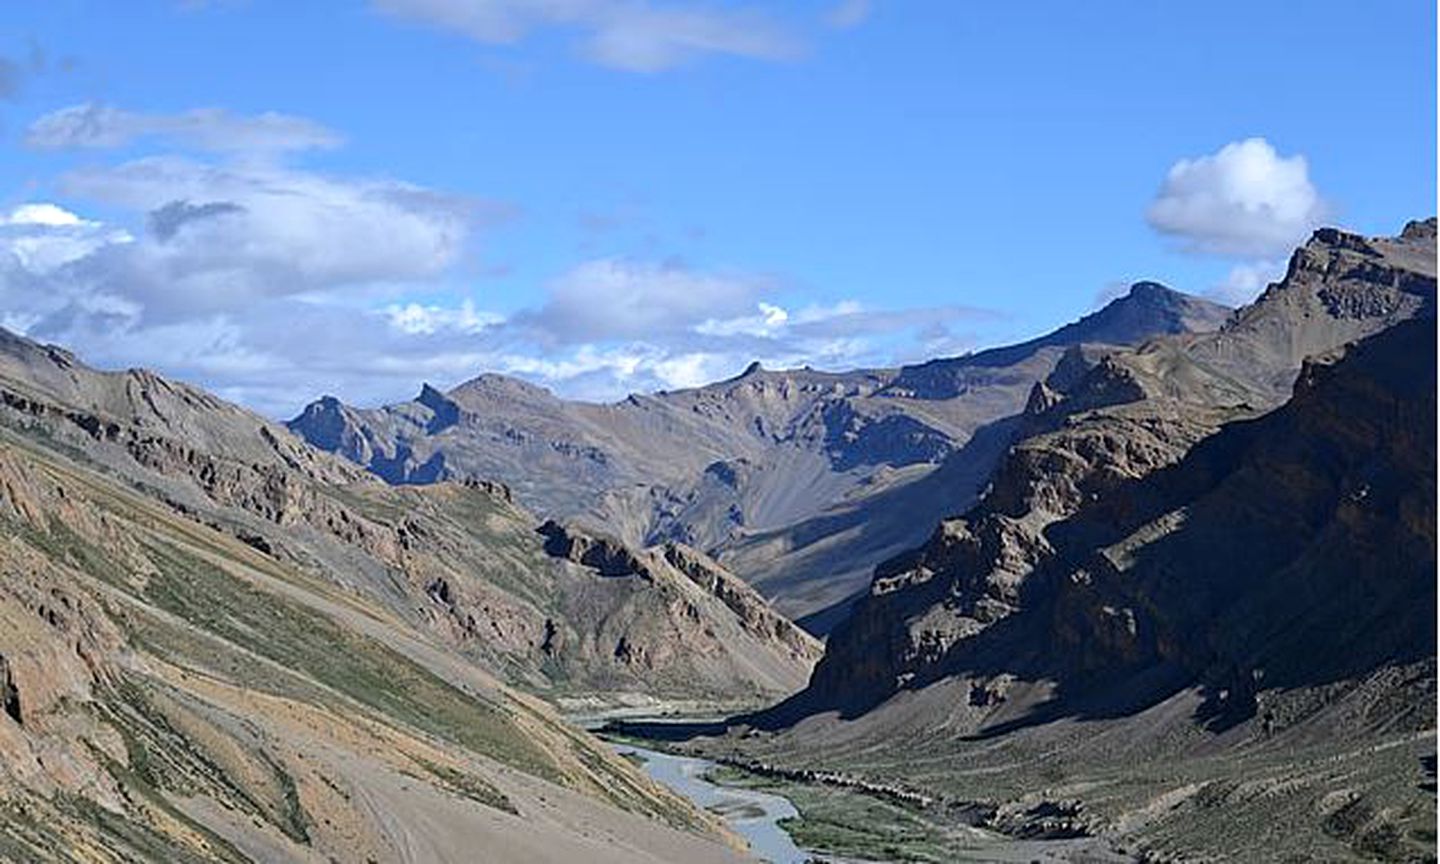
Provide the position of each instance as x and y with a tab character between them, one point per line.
790	817
755	815
843	823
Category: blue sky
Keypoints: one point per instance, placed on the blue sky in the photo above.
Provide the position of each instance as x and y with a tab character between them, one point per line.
280	199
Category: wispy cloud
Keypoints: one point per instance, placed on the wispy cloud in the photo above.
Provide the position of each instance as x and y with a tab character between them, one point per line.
96	126
633	35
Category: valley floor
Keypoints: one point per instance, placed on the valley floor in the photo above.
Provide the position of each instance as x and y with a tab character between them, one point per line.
1077	790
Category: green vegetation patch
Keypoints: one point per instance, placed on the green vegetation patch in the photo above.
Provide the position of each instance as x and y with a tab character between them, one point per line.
296	636
142	842
842	822
161	757
469	786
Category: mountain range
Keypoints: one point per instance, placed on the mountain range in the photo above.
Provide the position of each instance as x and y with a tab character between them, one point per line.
1163	579
800	481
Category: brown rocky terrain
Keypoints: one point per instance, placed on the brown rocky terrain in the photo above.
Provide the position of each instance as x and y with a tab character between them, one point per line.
221	643
459	560
172	693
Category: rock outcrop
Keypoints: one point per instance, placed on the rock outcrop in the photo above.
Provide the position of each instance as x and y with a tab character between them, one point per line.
1081	445
690	607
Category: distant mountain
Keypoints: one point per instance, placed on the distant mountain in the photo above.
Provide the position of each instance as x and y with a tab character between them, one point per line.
220	643
1205	567
801	481
1148	309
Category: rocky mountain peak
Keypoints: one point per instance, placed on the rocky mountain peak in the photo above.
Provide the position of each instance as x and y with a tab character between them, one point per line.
1419	229
1041	399
1153	292
446	412
492	385
430	397
329	424
1149	307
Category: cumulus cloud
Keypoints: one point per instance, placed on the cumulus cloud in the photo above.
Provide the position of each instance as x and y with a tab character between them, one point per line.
1245	200
97	126
222	235
618	298
604	328
42	237
633	35
42	213
417	319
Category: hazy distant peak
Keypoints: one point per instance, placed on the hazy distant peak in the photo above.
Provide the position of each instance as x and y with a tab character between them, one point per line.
433	399
493	384
1146	291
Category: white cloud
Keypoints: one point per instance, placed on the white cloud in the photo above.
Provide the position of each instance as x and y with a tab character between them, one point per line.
220	236
416	319
99	126
619	298
768	320
42	237
1244	200
634	35
1245	281
43	213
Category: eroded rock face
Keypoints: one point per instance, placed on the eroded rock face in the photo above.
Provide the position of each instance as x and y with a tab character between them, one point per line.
754	612
679	614
1085	445
602	554
1295	550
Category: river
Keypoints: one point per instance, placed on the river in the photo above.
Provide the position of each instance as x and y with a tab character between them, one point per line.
755	815
751	814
